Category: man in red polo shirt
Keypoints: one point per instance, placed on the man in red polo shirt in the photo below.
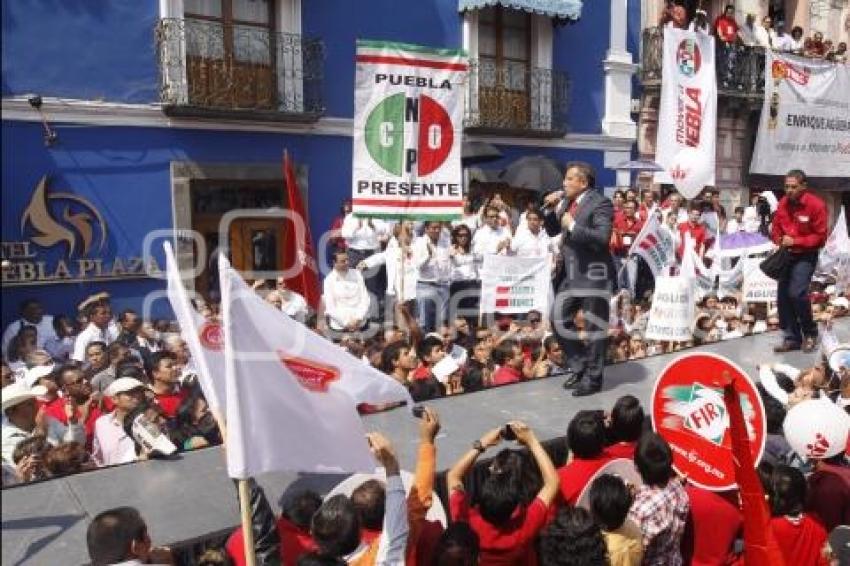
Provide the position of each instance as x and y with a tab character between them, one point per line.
586	441
77	400
726	27
626	228
647	203
800	225
166	383
695	228
510	359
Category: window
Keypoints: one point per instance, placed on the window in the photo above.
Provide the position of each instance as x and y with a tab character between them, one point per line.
230	53
504	59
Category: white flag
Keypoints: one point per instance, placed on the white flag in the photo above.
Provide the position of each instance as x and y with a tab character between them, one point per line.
292	394
837	246
204	338
655	244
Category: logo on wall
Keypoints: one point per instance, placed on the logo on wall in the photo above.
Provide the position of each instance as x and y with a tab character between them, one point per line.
77	230
63	238
688	57
385	134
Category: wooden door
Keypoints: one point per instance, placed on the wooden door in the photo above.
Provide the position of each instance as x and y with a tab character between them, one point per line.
256	246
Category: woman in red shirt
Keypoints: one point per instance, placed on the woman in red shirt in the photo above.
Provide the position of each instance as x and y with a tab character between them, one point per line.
801	538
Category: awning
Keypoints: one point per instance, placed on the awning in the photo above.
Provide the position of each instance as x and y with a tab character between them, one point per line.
563	9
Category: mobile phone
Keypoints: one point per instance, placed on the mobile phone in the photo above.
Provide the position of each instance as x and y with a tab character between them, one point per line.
418	411
507	433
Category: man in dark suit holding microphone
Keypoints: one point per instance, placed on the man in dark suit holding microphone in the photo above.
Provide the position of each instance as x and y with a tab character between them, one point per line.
584	218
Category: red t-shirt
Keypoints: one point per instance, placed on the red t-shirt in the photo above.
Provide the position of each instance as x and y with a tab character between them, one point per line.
801	542
575	475
294	541
170	402
698	234
622	450
713	524
505	375
804	220
506	545
727	29
421	372
625	232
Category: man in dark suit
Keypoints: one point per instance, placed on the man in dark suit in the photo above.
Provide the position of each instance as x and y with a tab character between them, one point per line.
584	218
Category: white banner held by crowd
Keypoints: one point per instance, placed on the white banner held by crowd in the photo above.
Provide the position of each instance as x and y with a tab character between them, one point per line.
671	316
687	115
805	118
203	338
292	395
836	251
758	287
515	285
408	125
655	244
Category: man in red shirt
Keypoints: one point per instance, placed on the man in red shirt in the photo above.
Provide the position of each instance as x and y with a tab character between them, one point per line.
626	228
800	226
586	441
166	383
77	400
695	228
726	27
506	532
646	204
510	359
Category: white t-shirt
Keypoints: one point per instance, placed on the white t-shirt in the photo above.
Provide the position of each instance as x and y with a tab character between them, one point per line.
486	240
346	298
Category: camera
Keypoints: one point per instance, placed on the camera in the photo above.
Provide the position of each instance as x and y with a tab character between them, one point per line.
35	101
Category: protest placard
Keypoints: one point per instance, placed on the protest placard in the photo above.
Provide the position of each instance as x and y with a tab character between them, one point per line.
758	287
689	411
671	317
515	285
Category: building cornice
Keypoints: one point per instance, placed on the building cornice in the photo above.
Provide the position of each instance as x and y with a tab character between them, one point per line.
111	114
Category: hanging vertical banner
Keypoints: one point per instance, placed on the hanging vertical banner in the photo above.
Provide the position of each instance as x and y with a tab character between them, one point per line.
804	119
687	115
408	123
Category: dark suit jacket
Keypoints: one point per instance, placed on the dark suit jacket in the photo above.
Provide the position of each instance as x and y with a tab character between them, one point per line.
587	261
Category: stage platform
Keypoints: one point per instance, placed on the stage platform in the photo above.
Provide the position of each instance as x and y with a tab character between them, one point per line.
192	499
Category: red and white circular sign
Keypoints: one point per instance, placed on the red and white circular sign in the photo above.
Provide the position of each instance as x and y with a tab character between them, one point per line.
688	411
212	336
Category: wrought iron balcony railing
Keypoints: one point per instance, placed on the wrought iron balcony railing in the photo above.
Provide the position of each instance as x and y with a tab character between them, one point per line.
740	69
515	99
210	68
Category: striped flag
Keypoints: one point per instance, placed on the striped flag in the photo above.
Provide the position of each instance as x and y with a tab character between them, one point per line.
408	124
655	244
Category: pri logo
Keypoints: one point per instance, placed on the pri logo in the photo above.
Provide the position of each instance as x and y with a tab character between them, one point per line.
424	120
678	174
780	70
76	227
688	57
818	448
706	414
311	375
211	336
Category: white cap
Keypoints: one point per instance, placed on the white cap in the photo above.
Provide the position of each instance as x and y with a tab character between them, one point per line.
122	385
32	375
18	392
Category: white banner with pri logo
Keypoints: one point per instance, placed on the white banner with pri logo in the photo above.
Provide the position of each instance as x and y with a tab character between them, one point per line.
805	118
515	285
655	244
687	115
408	125
758	287
671	316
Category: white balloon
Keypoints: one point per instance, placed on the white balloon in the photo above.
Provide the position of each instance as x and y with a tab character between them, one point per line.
817	429
690	172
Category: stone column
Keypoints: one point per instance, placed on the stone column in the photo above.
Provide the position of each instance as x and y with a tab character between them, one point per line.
619	69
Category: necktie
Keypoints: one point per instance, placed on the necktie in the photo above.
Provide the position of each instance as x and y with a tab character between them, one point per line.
573	207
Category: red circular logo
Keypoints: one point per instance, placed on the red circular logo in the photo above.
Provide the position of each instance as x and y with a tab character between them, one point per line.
212	336
688	410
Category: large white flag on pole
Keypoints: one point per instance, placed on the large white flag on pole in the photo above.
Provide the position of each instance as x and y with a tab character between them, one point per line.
292	394
203	338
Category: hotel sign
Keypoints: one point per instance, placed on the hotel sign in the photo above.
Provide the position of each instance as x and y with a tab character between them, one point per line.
65	239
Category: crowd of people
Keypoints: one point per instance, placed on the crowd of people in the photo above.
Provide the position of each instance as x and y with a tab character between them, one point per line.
768	34
530	504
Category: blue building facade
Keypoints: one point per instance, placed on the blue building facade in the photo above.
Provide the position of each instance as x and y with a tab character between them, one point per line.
126	123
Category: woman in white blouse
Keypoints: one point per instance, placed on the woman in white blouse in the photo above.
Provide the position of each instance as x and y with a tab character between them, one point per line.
465	287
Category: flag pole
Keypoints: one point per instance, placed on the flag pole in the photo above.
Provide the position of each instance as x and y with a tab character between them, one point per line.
247	533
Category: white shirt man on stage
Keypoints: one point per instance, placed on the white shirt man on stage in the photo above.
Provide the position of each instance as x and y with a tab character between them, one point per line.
492	237
32	314
431	256
345	296
98	330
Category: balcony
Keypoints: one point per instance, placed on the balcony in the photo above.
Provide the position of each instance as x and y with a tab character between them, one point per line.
212	69
516	100
740	69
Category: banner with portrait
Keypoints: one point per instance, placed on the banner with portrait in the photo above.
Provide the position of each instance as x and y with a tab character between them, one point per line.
805	117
